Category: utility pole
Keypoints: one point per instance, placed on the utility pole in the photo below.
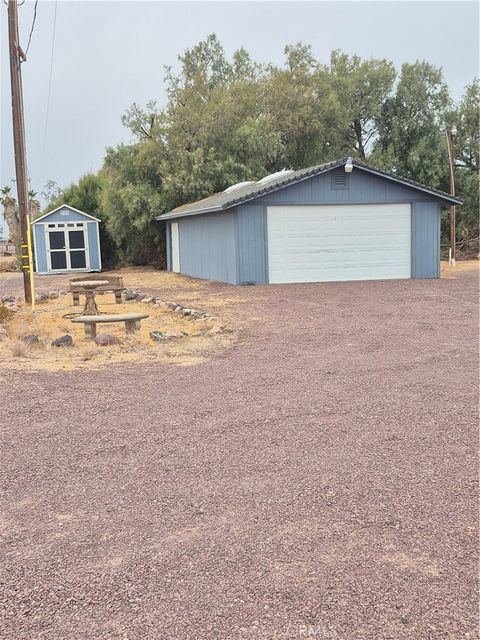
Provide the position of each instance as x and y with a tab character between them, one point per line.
16	58
451	136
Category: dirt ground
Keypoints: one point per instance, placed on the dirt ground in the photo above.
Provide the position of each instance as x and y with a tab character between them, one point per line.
317	478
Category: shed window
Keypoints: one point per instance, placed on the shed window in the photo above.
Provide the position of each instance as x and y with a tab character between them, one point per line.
339	180
51	225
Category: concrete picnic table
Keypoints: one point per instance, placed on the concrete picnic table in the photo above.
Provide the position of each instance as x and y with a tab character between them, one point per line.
90	307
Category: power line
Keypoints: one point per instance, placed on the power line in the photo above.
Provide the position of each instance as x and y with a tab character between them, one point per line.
32	28
49	82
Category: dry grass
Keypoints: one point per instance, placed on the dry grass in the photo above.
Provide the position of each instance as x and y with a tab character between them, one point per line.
49	322
18	349
148	277
8	263
448	271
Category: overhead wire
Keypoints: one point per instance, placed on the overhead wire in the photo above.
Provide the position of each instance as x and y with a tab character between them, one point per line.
32	27
49	81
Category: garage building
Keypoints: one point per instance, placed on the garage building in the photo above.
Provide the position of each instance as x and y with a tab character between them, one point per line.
338	221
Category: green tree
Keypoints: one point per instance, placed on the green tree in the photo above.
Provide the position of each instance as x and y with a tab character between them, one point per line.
362	86
86	196
467	149
412	126
131	197
303	109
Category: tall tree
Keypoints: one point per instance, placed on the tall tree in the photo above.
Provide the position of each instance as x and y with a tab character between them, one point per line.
362	87
33	205
10	213
131	197
303	109
467	149
412	125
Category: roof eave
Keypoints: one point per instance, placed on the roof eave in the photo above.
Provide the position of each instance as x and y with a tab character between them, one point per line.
171	215
417	187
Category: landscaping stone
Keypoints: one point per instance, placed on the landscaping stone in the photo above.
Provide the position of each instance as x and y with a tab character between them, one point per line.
176	334
216	329
198	334
131	294
141	296
53	295
63	292
30	338
146	300
40	298
105	340
161	303
158	336
63	341
6	299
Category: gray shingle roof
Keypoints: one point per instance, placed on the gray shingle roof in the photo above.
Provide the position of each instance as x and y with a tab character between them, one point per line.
222	201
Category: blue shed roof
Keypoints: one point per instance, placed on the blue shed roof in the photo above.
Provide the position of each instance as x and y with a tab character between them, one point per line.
64	206
249	191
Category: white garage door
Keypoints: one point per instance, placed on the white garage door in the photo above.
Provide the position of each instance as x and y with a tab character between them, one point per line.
339	242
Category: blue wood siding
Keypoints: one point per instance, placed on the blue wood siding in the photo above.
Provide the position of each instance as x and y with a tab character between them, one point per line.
251	240
232	246
40	249
426	240
363	188
92	234
208	247
65	214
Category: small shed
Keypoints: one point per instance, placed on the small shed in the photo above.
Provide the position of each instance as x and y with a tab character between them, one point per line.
66	240
343	220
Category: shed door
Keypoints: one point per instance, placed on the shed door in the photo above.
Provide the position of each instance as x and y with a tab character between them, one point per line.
175	247
67	247
339	242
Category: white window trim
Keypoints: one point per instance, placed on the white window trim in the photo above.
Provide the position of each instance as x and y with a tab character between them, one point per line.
67	249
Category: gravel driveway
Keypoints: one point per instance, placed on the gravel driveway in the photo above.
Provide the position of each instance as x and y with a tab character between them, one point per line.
318	479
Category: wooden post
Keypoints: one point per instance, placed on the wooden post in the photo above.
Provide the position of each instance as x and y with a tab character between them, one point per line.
16	57
452	133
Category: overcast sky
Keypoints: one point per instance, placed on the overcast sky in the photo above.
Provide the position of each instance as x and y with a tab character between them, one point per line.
110	54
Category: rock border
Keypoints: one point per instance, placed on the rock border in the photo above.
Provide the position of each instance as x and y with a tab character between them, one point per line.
131	295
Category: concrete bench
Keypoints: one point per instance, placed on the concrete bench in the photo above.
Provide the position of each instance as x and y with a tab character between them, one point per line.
131	320
115	284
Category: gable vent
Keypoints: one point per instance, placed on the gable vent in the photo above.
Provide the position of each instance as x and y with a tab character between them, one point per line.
339	180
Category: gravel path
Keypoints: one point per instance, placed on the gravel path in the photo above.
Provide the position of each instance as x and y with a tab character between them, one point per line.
320	477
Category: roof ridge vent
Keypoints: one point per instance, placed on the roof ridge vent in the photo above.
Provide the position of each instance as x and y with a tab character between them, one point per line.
274	176
239	185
